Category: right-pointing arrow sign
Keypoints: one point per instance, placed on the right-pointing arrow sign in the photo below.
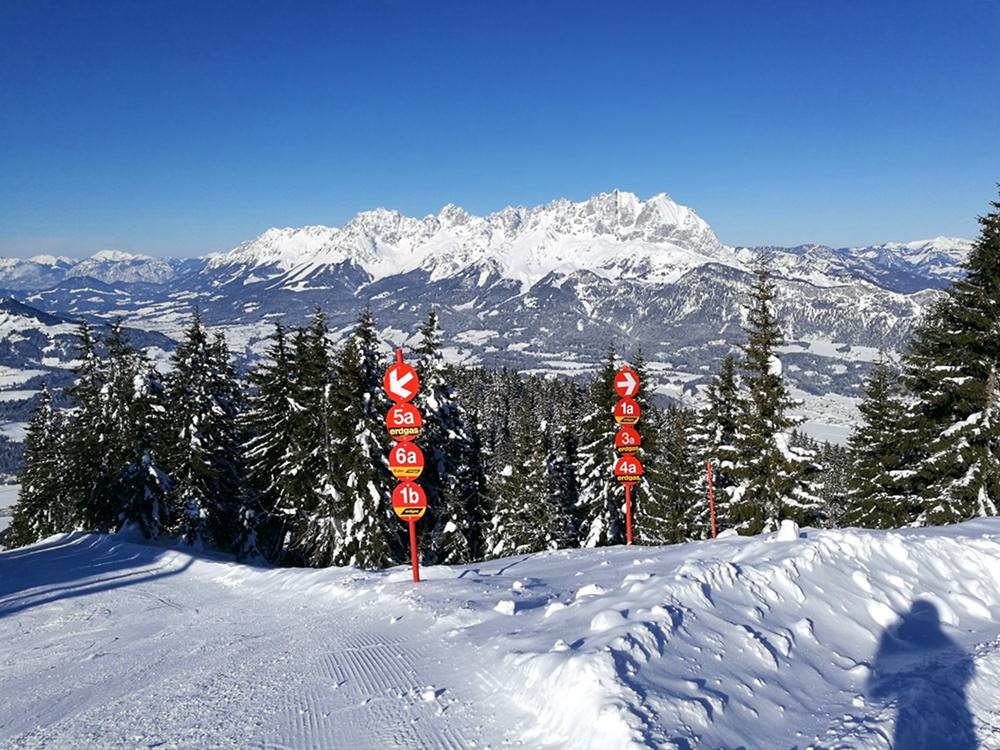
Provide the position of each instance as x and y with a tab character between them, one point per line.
626	383
400	382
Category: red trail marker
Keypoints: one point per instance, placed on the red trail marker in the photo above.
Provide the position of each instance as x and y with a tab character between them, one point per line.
400	381
626	383
403	422
627	411
628	469
406	461
627	440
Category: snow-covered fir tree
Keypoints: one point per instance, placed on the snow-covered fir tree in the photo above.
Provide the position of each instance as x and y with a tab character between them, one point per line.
42	508
770	472
834	477
878	495
133	410
951	371
268	422
562	408
524	517
601	498
720	420
201	441
373	536
316	507
86	441
680	488
448	479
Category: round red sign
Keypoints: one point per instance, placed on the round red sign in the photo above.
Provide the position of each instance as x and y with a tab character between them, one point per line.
403	422
409	501
626	383
627	440
400	382
628	470
627	411
406	461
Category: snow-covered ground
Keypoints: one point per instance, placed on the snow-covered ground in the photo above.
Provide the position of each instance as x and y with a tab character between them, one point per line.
816	641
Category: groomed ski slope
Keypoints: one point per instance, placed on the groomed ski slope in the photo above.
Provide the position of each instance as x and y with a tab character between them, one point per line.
739	643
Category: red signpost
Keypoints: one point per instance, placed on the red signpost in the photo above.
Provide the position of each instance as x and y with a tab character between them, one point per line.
628	468
711	496
406	460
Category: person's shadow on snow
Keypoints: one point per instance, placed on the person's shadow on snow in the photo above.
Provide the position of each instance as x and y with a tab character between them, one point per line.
926	672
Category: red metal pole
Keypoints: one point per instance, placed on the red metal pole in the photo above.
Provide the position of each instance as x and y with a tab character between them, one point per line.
399	356
628	514
711	496
414	561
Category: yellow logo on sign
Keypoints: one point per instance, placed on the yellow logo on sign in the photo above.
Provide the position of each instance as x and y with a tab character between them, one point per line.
406	472
410	514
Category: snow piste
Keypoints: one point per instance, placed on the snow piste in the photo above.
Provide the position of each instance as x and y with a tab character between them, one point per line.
818	639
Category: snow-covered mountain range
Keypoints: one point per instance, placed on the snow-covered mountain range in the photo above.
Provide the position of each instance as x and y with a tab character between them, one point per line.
543	288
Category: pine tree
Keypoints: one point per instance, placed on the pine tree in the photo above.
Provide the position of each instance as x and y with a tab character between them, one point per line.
42	508
268	423
877	493
86	441
720	421
524	518
133	408
201	441
682	511
770	472
601	498
373	536
448	478
317	507
835	479
562	445
951	371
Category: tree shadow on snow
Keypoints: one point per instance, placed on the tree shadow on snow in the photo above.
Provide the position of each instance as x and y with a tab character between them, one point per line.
73	566
925	673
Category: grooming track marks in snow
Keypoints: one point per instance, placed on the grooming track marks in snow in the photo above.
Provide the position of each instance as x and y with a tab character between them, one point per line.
816	642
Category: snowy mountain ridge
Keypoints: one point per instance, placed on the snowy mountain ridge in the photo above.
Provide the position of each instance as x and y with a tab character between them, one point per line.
611	233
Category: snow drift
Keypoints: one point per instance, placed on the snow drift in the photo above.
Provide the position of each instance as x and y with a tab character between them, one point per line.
819	641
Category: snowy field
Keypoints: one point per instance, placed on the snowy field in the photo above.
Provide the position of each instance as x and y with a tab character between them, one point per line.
820	641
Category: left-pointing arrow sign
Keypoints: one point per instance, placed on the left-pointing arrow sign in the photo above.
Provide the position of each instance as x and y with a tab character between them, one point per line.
400	382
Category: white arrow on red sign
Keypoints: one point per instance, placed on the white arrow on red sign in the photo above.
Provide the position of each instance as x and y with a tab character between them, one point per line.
400	382
626	383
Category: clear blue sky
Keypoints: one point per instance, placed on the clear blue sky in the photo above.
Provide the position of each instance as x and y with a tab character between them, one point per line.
179	128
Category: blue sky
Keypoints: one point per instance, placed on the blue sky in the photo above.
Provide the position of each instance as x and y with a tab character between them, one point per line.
180	128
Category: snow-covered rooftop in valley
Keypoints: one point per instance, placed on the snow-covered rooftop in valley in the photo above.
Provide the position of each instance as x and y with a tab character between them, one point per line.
819	639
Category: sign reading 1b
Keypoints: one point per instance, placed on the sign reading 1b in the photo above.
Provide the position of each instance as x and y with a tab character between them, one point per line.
409	501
